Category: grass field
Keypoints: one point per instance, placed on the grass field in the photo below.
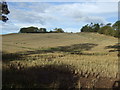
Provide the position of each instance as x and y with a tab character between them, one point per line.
52	60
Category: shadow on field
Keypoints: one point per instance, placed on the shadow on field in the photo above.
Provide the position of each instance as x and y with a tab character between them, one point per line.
49	76
11	56
73	49
115	47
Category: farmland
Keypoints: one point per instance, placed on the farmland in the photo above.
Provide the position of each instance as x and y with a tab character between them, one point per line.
57	60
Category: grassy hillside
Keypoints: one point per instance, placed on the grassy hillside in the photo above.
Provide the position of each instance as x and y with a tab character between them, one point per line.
84	60
37	41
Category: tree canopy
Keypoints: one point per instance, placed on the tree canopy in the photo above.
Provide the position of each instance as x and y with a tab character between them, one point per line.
33	29
108	29
116	25
90	28
59	30
29	29
4	11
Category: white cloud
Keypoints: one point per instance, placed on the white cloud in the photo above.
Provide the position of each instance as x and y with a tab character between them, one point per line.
92	19
21	16
97	12
9	28
65	15
43	11
62	0
71	29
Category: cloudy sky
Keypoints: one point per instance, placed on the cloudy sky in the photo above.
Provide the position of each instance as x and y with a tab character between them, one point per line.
70	16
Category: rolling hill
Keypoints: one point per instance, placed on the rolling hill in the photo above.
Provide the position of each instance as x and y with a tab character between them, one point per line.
48	60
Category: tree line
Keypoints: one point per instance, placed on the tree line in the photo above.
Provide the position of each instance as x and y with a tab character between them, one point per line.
108	29
33	29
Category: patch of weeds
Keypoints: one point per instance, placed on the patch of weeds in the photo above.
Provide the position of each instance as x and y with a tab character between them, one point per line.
115	47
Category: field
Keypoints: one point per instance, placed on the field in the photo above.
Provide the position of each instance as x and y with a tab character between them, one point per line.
64	60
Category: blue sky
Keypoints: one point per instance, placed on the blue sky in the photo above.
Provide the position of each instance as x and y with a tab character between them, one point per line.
70	16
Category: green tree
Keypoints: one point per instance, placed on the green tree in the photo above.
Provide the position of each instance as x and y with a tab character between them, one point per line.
4	11
50	31
90	28
32	29
107	30
42	30
23	30
109	24
96	27
117	33
59	30
116	25
29	30
85	28
101	24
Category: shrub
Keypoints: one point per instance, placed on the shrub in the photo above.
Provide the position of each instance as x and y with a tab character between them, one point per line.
58	30
29	30
107	30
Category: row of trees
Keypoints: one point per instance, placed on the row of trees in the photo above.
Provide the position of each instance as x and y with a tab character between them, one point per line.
40	30
108	29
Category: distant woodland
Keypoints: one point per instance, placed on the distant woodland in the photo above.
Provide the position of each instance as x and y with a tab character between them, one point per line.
108	29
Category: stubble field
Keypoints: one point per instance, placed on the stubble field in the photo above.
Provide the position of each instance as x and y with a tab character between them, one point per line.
65	60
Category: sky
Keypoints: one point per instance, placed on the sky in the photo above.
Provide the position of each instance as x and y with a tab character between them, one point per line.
70	16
